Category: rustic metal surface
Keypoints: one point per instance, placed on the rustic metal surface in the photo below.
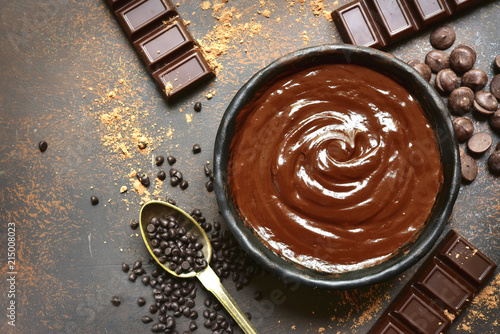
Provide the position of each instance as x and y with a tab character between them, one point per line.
66	65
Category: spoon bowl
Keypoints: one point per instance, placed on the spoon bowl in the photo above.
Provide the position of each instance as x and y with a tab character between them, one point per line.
206	275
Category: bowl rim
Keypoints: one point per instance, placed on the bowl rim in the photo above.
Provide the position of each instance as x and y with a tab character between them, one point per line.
302	275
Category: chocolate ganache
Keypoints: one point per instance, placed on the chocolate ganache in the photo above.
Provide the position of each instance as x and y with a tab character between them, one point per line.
335	167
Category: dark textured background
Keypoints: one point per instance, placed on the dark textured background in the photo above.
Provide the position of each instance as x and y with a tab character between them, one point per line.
59	59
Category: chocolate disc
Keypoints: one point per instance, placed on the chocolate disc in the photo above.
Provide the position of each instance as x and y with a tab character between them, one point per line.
443	37
497	63
462	59
461	100
495	120
494	163
479	143
424	70
446	81
437	60
475	79
485	103
464	128
495	86
469	168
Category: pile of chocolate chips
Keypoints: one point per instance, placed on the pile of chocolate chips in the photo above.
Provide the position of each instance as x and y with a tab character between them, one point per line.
179	250
464	96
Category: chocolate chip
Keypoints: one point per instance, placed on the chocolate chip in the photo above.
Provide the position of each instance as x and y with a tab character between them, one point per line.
443	37
479	143
145	181
184	184
42	146
141	301
171	160
142	145
475	79
125	267
193	326
414	62
145	280
94	200
137	264
495	86
210	186
469	168
197	107
494	163
159	160
446	81
424	70
161	175
174	181
437	60
134	224
462	58
196	148
146	319
497	63
461	100
115	300
248	315
485	103
495	121
464	128
497	148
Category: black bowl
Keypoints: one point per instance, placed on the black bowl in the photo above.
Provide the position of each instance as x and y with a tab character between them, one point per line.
435	111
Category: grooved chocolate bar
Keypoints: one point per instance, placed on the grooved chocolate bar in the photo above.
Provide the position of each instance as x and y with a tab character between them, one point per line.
163	42
439	290
378	23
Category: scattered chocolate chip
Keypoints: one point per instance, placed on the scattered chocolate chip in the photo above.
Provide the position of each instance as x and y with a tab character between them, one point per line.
145	280
196	148
469	168
485	103
184	184
446	81
496	63
125	267
495	120
146	319
134	224
464	128
42	146
171	201
171	160
145	181
210	186
161	175
137	264
142	145
248	315
193	326
443	37
495	86
479	143
159	160
197	107
494	163
141	301
115	300
475	79
424	70
174	181
94	200
461	100
437	60
414	62
462	58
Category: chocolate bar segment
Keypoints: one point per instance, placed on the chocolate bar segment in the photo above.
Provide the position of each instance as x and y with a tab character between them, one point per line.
163	43
395	18
430	11
378	23
357	26
441	288
142	14
175	77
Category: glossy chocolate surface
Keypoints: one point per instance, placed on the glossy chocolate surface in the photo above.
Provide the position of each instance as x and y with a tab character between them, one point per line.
342	165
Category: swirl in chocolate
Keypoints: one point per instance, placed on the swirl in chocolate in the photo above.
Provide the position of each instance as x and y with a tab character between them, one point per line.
334	167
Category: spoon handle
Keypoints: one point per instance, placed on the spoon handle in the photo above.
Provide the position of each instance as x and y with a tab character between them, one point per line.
212	283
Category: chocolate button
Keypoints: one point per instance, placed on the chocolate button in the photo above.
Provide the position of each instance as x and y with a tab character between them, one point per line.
414	62
494	163
462	59
469	168
495	121
437	60
446	81
495	86
485	103
475	79
461	100
424	70
443	37
497	63
464	128
479	143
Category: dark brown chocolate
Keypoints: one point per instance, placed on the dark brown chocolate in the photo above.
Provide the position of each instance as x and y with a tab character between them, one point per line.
440	289
163	42
377	23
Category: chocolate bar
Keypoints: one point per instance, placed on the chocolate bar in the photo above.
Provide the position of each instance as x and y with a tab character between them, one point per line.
378	23
439	290
163	42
